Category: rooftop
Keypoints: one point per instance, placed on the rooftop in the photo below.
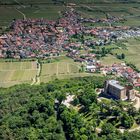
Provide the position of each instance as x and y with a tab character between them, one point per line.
116	84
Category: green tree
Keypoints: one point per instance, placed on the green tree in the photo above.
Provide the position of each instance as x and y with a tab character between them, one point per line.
107	128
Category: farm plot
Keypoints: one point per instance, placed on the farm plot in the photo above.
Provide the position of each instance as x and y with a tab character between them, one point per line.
12	73
60	70
7	14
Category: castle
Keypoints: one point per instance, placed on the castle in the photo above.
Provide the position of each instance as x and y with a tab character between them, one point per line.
114	89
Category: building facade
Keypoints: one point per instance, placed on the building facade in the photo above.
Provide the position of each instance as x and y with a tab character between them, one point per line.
114	89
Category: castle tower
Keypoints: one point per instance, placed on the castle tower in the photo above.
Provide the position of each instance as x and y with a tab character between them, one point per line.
106	84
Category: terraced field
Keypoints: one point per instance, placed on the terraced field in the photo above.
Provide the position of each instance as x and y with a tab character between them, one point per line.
12	73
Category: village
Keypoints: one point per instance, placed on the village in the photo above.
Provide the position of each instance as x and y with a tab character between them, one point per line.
42	38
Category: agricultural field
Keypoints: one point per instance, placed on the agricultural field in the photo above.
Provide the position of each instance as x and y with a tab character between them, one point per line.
10	13
12	73
7	14
130	12
88	8
50	12
63	68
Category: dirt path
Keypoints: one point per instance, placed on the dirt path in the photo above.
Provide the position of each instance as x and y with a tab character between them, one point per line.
36	79
57	69
19	4
68	69
24	16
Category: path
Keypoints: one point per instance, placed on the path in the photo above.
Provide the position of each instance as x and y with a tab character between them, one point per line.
19	3
24	16
129	130
36	79
38	73
134	129
57	69
68	69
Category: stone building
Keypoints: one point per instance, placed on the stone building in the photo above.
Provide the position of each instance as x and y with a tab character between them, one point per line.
114	89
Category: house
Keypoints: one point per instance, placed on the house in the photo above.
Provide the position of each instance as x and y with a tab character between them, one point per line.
90	68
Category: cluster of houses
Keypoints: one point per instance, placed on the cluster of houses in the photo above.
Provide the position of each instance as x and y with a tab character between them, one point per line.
41	38
122	70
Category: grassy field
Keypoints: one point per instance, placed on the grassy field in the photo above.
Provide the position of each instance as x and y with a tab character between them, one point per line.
132	53
12	73
109	60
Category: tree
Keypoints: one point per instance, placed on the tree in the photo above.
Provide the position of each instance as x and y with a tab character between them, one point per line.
122	56
138	119
127	121
107	128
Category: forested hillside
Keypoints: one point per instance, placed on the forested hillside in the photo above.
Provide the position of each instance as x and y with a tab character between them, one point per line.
37	113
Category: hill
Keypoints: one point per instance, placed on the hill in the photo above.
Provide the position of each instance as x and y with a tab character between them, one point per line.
38	112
